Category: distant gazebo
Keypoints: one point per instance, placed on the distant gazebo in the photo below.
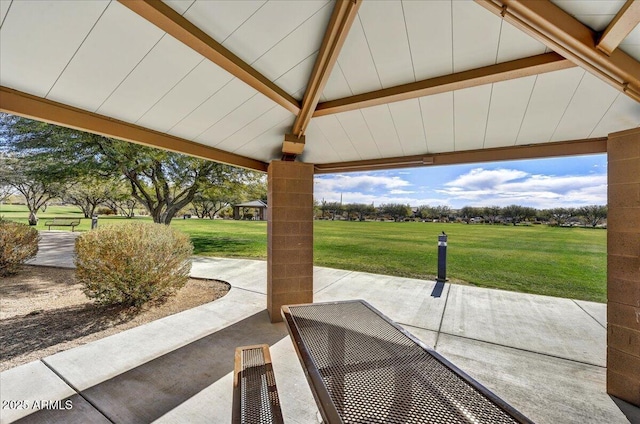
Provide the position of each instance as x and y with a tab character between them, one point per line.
255	204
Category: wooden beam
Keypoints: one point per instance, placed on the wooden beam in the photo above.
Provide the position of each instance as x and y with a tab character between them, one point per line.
23	104
530	151
567	36
344	13
168	20
622	24
519	68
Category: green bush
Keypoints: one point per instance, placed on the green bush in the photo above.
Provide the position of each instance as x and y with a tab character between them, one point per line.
18	243
132	264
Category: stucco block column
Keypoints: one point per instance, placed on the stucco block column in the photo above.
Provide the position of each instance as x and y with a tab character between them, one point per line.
289	236
623	266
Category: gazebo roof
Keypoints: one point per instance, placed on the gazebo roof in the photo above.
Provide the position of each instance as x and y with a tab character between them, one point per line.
369	84
252	204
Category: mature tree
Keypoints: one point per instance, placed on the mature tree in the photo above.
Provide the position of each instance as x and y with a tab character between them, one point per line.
514	213
240	185
491	213
331	208
120	200
24	177
593	214
427	212
468	212
163	182
397	211
562	215
89	192
359	210
6	191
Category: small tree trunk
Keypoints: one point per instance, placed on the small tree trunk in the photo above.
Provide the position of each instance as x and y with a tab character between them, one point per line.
33	218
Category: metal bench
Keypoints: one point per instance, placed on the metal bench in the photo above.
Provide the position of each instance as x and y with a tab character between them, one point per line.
63	222
255	396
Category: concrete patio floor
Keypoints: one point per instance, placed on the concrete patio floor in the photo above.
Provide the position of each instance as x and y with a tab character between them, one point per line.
543	355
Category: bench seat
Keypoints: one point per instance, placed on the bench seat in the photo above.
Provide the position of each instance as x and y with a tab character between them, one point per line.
255	395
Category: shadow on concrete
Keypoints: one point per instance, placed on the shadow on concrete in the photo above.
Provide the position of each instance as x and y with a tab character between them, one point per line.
437	289
630	411
149	391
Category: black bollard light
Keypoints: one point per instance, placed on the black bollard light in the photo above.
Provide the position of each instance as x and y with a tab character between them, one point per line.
442	258
94	222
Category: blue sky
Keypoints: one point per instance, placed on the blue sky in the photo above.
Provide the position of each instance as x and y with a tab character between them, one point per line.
540	183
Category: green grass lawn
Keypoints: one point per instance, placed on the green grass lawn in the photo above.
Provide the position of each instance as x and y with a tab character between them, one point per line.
565	262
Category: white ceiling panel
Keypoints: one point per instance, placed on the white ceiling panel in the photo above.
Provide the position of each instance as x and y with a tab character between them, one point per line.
266	28
166	65
236	120
408	121
213	109
219	19
117	43
430	37
596	14
38	39
317	148
179	6
476	32
383	130
4	8
295	80
261	124
356	62
471	107
337	86
437	117
358	132
296	46
631	44
333	131
623	114
551	95
267	145
385	30
589	104
186	96
516	44
509	100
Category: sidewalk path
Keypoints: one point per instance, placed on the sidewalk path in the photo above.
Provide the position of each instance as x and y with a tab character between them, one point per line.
543	355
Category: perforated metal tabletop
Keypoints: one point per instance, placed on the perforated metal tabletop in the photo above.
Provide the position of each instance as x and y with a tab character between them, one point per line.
364	368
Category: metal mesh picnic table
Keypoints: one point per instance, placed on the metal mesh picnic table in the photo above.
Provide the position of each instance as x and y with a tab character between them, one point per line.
363	368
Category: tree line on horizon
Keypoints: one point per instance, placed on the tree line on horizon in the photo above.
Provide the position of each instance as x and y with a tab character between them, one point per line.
591	215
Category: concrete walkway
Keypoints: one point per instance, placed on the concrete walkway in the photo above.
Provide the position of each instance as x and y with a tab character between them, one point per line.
543	355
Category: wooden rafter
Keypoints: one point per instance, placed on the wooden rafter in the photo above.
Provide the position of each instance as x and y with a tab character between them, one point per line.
622	24
519	68
531	151
567	36
344	13
23	104
168	20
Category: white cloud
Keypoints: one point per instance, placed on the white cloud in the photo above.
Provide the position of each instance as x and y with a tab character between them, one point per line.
502	187
480	178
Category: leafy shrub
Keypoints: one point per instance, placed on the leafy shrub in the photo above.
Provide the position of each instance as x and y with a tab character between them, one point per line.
132	264
18	243
105	211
